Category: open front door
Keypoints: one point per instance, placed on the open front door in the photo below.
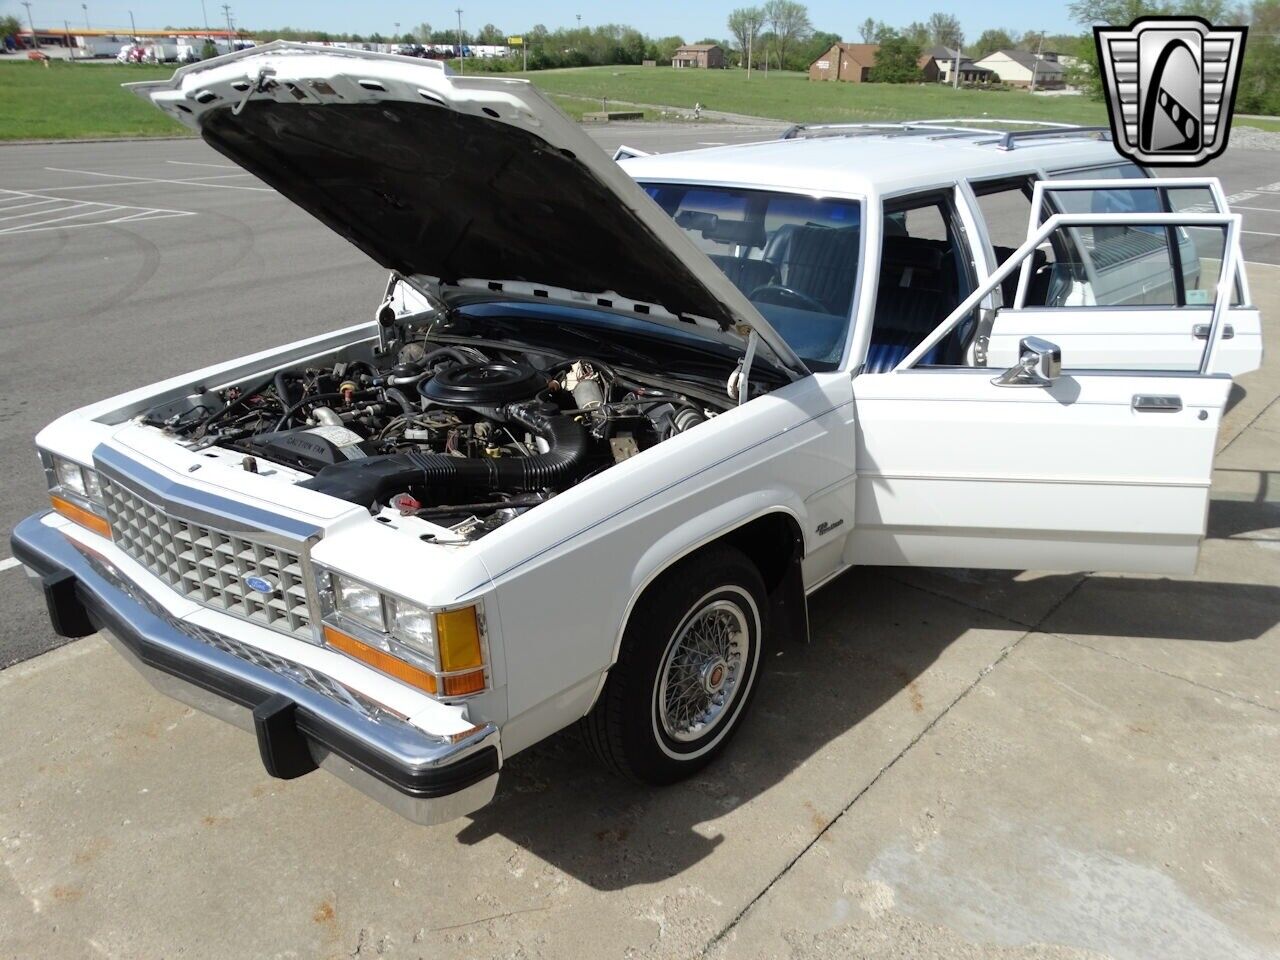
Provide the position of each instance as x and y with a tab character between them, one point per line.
1052	464
1128	296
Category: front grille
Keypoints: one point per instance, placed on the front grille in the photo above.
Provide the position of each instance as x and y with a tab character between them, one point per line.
208	565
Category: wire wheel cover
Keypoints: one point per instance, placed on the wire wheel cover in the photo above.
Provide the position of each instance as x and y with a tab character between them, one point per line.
702	671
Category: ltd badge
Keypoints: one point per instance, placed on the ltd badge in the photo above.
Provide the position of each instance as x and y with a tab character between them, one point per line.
1170	84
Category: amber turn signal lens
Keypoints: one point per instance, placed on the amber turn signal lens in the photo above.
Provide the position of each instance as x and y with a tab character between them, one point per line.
458	640
464	683
379	660
79	515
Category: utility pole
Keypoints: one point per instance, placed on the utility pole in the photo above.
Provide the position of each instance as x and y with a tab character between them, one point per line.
231	44
751	36
955	80
133	26
1035	65
461	61
34	38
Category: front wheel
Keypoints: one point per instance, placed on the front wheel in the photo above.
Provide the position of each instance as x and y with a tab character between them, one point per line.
687	669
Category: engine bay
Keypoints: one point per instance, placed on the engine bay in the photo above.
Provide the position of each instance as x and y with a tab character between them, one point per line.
465	436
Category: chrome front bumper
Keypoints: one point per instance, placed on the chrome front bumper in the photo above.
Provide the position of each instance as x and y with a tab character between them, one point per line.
302	718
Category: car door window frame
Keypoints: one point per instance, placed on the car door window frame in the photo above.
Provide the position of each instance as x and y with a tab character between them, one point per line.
963	221
1042	203
1231	223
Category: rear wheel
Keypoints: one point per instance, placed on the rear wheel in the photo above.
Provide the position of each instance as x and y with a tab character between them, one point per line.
686	672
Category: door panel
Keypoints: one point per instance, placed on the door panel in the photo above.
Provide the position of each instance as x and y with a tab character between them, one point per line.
1094	338
956	471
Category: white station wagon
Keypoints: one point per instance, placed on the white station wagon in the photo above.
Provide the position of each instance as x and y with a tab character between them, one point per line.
612	422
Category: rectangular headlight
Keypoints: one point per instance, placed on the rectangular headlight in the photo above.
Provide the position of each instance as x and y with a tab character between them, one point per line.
439	651
359	602
70	476
76	493
413	626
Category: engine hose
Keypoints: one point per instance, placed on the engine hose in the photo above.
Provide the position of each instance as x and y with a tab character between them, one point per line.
401	400
372	480
282	388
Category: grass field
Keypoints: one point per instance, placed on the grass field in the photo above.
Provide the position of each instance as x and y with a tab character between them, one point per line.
76	101
792	96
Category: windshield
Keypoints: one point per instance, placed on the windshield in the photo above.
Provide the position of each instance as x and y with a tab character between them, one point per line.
794	257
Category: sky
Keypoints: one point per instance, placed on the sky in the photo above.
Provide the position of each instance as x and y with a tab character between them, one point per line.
691	19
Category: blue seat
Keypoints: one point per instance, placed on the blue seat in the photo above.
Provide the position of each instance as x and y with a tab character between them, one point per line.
884	355
904	316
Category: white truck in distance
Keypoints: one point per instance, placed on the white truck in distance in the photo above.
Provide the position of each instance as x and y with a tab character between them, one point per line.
613	422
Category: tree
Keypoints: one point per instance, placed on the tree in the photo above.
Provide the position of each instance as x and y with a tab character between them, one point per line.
815	46
491	34
944	31
990	42
916	32
789	22
9	27
897	60
664	48
868	30
744	24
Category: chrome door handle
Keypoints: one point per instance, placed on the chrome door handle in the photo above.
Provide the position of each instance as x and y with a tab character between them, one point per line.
1201	331
1156	403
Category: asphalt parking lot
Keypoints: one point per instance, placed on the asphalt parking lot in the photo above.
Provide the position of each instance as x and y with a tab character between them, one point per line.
961	764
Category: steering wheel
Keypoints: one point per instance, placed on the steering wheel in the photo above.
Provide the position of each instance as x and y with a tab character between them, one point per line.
784	296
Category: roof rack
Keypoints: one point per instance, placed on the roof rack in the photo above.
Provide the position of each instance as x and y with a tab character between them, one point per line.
954	127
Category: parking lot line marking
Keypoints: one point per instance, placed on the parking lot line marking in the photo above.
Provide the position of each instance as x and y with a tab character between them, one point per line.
57	217
1261	233
216	166
1236	206
192	181
34	203
46	212
8	563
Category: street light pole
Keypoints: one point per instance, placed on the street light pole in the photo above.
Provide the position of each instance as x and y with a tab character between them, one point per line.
34	38
461	61
205	13
231	45
133	26
85	8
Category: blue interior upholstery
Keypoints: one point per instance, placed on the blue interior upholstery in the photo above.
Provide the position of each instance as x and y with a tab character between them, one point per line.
821	263
747	275
904	316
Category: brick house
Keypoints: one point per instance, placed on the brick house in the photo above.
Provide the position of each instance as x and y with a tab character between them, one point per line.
850	62
704	56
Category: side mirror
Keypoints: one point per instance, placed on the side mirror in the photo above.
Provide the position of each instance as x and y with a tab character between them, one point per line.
1039	364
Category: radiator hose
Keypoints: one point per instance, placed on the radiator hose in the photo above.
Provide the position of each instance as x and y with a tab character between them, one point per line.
373	480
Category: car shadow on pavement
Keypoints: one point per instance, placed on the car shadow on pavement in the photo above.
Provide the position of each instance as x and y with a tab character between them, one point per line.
873	637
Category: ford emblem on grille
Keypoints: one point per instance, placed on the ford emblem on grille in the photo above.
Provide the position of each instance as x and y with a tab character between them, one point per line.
260	584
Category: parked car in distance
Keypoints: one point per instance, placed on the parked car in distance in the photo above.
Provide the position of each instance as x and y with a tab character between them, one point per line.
613	422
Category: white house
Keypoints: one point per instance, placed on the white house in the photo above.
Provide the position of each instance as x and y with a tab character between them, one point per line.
1020	68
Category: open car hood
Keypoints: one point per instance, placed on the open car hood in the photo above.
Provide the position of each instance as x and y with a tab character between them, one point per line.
457	182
